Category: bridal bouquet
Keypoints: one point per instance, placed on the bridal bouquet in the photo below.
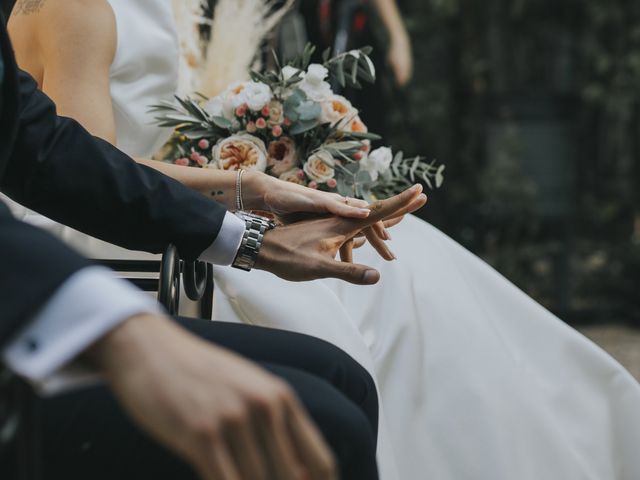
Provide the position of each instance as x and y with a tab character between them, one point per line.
289	123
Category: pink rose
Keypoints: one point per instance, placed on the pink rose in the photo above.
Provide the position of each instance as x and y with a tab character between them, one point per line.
203	144
282	156
276	131
332	183
241	111
194	156
313	184
265	111
261	123
184	162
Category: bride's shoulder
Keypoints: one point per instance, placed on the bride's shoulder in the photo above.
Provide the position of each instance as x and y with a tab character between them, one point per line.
64	28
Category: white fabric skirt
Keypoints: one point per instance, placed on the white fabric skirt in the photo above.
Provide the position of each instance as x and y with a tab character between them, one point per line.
477	381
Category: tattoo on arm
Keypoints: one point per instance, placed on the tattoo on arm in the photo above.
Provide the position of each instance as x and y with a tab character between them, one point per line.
27	7
217	193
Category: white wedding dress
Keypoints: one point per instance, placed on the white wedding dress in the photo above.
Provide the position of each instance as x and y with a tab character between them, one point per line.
476	380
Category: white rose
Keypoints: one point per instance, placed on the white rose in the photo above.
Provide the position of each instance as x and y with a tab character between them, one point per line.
289	71
316	73
257	95
215	107
377	162
313	83
319	167
235	95
240	152
336	108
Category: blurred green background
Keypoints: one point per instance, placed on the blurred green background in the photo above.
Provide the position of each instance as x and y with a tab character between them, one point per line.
534	107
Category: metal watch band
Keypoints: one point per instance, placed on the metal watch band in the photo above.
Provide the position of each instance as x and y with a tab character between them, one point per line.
255	228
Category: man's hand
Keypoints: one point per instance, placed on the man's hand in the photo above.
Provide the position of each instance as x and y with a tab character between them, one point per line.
226	417
306	250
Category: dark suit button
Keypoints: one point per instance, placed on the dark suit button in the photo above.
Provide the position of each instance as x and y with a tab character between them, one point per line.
31	344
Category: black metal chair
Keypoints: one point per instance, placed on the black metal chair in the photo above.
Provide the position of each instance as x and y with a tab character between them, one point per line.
20	416
197	279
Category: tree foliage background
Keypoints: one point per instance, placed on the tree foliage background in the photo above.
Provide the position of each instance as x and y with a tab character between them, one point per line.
534	106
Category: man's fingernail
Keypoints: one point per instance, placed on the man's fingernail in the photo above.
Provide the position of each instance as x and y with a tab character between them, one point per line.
365	211
415	188
371	276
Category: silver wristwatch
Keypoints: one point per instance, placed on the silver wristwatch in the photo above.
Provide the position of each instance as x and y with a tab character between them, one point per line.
255	228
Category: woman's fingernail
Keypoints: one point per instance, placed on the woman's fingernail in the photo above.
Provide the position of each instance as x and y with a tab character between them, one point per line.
387	235
365	211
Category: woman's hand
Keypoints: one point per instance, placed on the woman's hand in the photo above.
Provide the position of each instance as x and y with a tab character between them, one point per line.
306	250
288	201
285	198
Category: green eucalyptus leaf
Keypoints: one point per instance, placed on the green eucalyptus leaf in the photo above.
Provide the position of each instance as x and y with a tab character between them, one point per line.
302	126
221	122
308	111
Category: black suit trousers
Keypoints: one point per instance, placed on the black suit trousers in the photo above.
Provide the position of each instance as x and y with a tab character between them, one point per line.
86	435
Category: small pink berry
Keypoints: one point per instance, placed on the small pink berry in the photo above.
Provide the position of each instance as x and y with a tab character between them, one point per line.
286	122
313	184
202	160
357	156
300	175
241	110
332	183
203	144
261	123
251	127
266	111
365	148
194	156
182	161
276	130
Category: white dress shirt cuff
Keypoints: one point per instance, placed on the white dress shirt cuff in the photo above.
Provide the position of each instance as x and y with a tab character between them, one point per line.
225	247
89	304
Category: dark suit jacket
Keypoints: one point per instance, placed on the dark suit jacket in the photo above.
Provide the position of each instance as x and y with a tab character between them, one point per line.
52	165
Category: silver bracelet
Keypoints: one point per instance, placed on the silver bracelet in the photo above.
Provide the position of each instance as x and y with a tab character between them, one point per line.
239	202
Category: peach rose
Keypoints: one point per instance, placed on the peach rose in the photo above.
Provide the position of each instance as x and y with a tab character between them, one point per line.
319	167
295	175
240	151
354	124
336	108
282	156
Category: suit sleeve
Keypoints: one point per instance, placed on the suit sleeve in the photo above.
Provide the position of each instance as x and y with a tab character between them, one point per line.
58	169
33	265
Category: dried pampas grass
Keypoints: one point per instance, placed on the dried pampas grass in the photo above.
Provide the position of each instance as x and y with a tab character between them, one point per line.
239	27
188	18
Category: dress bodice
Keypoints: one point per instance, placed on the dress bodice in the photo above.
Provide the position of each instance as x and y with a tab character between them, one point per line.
144	71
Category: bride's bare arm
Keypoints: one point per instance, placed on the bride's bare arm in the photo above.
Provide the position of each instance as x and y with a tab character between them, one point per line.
69	46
